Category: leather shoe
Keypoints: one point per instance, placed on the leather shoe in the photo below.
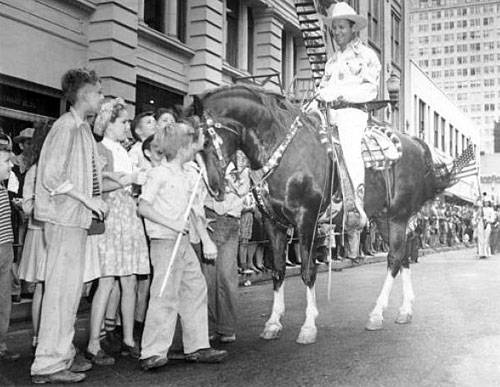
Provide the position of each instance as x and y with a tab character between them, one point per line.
128	350
100	358
80	364
207	355
63	376
153	362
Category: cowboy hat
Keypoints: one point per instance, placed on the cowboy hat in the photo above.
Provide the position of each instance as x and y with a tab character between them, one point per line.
343	11
26	134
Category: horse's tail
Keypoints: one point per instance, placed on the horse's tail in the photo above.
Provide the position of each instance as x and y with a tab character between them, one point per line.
439	173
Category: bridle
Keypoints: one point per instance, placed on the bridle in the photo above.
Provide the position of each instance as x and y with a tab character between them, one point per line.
217	141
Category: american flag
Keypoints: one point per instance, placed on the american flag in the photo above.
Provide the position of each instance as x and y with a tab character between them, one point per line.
465	165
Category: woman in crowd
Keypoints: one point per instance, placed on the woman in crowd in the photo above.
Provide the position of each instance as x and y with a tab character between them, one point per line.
32	267
122	248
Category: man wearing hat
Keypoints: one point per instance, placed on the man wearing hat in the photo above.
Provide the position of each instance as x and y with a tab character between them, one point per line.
351	79
23	140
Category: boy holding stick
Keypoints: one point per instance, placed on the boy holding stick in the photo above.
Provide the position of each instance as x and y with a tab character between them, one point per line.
164	202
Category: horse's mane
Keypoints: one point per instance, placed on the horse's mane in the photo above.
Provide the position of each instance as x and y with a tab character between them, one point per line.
271	112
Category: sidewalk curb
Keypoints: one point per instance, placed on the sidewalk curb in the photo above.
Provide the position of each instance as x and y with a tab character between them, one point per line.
340	265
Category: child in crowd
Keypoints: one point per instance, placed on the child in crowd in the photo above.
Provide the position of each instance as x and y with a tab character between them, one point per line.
163	202
68	186
142	126
122	248
6	250
165	117
32	267
152	151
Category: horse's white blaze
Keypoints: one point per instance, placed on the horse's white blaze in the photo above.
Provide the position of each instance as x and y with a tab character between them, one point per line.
272	328
383	299
408	295
308	332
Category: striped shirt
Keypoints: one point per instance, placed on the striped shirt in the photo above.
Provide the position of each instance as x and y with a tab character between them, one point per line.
6	234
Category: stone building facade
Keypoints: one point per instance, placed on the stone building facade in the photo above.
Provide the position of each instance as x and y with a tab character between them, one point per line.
156	53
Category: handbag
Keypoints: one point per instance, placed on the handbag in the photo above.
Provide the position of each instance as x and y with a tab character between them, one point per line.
96	227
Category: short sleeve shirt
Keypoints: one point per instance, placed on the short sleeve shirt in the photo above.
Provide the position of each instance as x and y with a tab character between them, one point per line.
168	190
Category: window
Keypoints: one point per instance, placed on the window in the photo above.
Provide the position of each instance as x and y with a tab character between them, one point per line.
168	17
475	47
487	21
153	14
374	22
443	126
421	118
396	38
475	71
436	130
451	140
250	42
489	57
232	15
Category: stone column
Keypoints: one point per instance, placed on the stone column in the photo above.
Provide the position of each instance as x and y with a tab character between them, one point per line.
205	22
112	34
267	53
289	72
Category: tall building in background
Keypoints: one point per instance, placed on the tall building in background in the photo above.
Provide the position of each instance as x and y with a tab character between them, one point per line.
456	42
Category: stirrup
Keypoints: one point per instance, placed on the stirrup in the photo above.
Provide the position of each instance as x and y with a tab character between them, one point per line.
356	218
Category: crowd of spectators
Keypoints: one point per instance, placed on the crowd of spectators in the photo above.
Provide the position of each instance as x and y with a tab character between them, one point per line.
101	204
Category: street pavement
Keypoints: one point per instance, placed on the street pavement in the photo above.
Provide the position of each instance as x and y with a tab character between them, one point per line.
454	339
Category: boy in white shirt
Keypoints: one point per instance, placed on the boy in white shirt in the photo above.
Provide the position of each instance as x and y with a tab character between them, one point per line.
163	202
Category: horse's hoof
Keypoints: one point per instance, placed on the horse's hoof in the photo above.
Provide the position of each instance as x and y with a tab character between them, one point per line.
271	332
375	325
404	318
307	335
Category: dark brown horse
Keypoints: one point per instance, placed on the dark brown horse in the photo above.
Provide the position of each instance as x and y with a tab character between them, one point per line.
257	122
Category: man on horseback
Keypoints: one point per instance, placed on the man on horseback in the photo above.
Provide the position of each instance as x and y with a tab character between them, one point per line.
351	79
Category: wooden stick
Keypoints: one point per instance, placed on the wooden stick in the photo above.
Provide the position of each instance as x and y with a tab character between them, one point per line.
179	236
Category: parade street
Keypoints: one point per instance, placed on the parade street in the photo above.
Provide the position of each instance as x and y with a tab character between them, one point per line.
454	339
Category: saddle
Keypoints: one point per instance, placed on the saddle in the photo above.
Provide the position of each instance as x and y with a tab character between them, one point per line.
380	148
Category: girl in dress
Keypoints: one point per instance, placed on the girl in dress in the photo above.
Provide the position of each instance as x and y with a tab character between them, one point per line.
32	266
122	248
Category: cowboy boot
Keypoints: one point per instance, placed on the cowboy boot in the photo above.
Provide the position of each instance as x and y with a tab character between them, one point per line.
356	219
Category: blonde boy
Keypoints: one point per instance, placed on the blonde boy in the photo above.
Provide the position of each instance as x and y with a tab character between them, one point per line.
163	202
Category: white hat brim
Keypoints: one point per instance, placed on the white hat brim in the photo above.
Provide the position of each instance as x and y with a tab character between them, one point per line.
359	21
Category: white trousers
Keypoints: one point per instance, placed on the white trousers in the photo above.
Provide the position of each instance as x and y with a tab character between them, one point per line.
351	124
185	295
